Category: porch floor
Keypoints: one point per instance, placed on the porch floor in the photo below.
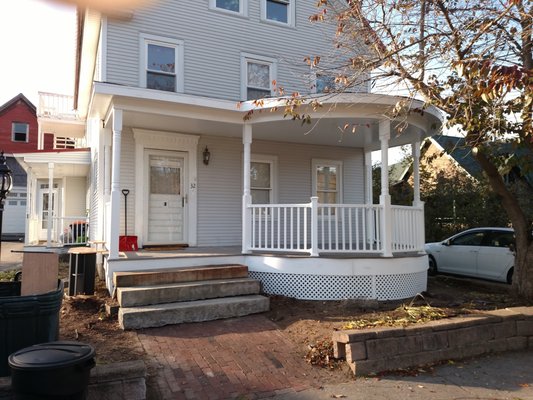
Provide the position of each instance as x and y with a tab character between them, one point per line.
224	251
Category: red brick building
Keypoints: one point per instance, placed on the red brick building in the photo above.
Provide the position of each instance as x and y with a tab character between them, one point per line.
18	134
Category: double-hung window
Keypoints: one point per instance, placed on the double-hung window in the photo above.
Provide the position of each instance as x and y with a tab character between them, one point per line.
262	174
161	63
327	176
278	11
20	131
258	73
232	6
324	83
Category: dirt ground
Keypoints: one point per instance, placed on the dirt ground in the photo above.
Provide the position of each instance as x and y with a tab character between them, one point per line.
308	323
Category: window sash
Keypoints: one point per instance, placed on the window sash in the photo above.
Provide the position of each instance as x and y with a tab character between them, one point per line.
20	131
229	5
256	188
277	10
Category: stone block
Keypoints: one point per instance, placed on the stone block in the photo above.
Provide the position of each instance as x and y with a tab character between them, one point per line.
366	367
356	351
339	350
410	344
473	350
517	343
463	337
459	322
434	341
497	345
504	329
506	314
530	342
524	328
417	329
382	348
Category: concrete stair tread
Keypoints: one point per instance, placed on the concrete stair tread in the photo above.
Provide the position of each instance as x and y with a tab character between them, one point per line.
191	311
186	291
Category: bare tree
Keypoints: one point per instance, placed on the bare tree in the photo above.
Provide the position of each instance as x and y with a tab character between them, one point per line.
473	59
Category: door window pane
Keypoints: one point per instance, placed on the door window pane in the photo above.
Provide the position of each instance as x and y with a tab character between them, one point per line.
165	176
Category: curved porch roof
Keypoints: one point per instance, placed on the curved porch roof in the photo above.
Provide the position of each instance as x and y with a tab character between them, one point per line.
350	119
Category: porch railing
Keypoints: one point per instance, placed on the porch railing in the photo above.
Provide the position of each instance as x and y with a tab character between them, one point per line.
59	106
332	228
70	231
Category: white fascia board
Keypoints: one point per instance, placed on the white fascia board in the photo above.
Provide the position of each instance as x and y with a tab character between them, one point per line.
67	157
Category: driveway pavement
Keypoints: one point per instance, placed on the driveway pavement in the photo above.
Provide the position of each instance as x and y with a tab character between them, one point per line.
249	358
9	258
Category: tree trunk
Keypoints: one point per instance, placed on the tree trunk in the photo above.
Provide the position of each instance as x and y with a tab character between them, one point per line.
523	272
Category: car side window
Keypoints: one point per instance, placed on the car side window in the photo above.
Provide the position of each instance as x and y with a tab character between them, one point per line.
469	239
502	239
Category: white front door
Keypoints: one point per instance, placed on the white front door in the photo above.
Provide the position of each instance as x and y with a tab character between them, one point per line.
167	202
45	217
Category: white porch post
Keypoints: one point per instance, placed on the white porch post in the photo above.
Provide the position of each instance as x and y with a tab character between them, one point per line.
50	204
417	203
369	200
415	149
314	226
384	198
115	185
246	196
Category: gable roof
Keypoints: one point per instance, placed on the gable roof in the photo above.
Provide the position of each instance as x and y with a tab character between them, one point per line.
455	147
14	100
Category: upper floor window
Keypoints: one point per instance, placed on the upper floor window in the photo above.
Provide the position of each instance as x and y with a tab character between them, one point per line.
161	63
324	83
20	132
327	181
235	6
278	11
258	75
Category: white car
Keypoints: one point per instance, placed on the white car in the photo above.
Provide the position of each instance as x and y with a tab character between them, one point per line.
481	252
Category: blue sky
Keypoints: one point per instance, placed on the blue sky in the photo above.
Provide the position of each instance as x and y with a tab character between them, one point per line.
37	47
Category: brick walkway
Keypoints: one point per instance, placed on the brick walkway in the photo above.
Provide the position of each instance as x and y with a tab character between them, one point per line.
239	358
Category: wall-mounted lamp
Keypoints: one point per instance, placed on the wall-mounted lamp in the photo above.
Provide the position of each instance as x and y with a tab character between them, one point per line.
207	156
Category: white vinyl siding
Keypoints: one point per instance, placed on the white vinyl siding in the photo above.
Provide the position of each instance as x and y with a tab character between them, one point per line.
220	183
212	48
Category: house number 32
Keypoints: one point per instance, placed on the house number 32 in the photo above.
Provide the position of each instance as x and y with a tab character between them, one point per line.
193	185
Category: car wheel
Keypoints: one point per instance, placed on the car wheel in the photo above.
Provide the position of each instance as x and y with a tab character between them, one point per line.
432	269
510	276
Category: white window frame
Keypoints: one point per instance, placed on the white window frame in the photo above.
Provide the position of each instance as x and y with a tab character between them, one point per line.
273	162
243	8
147	39
328	163
251	58
13	132
291	12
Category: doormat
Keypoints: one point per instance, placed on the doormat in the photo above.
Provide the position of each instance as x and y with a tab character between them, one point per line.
166	247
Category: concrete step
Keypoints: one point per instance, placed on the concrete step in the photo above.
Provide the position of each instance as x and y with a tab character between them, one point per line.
194	311
186	291
174	275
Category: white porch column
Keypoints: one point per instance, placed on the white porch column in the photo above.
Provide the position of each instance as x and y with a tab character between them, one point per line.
50	204
246	196
421	228
384	198
115	185
368	178
415	149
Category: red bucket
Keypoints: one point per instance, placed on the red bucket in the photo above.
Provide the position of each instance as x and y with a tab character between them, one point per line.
127	243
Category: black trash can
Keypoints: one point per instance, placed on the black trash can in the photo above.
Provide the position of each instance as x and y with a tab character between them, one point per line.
27	320
54	370
82	270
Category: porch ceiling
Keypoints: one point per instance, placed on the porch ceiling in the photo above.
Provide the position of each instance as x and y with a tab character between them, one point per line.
65	164
350	120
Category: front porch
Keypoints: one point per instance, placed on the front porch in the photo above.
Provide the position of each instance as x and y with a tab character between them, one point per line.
332	276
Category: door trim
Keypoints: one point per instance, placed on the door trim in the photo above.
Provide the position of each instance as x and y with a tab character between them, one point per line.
157	140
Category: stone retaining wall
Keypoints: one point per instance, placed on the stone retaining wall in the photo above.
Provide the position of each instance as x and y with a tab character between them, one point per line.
385	349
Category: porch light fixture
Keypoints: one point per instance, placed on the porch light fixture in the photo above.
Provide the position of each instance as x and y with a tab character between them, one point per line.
6	184
207	156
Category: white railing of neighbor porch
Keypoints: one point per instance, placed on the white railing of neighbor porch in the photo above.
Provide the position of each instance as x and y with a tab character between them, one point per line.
313	228
407	228
70	231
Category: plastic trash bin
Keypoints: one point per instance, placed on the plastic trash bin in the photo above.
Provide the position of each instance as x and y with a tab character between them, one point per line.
28	320
54	370
82	269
